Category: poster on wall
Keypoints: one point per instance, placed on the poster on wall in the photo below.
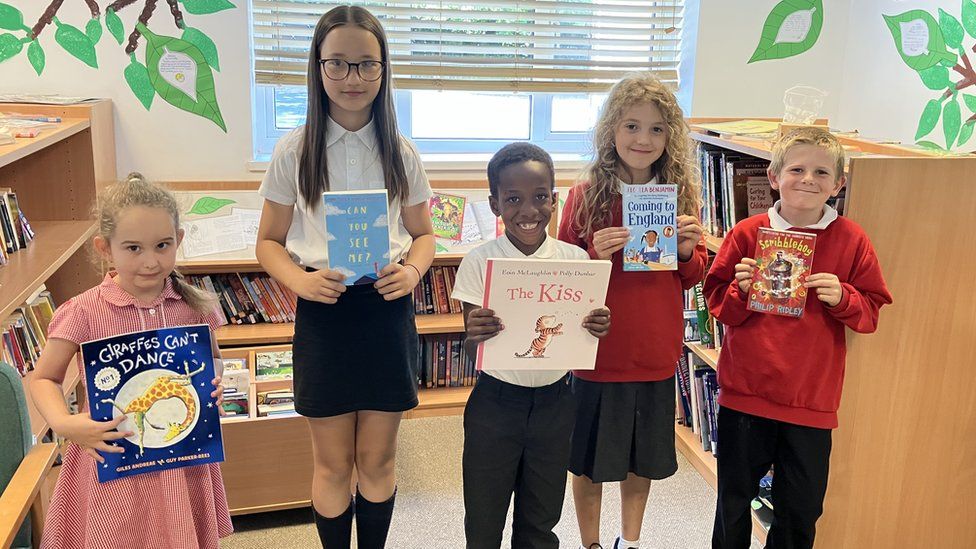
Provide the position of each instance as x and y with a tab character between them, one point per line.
175	62
791	28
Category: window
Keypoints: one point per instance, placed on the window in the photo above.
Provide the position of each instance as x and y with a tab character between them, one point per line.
471	77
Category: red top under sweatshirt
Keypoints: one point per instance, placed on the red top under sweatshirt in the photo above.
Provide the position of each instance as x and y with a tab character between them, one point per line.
647	326
792	369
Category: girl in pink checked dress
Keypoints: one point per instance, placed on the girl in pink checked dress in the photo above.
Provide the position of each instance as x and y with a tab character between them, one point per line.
177	508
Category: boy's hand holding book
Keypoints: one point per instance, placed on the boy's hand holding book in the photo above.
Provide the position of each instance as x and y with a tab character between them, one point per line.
598	322
828	288
397	280
743	274
689	235
92	435
325	285
609	241
482	325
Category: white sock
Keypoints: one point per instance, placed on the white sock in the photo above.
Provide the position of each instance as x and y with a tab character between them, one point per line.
624	543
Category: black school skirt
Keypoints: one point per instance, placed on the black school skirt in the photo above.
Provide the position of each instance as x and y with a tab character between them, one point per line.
361	353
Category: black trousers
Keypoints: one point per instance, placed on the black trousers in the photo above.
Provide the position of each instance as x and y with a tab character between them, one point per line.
516	439
747	446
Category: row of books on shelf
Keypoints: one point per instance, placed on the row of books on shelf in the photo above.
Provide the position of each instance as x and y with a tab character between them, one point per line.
249	298
444	363
15	231
25	332
433	294
697	406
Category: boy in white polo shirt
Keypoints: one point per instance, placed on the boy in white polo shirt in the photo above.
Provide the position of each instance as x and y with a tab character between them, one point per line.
517	424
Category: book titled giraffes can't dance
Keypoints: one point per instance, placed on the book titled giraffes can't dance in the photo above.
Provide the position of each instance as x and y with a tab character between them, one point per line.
161	380
542	304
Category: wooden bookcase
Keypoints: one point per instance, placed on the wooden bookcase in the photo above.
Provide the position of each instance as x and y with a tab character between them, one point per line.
56	177
903	462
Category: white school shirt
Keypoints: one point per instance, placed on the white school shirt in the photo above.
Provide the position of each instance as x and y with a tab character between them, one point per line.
354	163
469	287
778	222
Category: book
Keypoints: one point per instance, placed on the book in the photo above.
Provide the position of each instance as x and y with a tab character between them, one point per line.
357	230
273	365
447	215
650	213
161	381
783	262
542	304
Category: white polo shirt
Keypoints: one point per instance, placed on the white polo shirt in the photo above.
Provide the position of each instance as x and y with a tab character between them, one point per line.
469	287
354	163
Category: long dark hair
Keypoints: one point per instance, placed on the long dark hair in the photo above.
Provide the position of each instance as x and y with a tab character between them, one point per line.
313	174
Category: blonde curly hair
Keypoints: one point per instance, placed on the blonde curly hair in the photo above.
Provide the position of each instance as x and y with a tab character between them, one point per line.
676	166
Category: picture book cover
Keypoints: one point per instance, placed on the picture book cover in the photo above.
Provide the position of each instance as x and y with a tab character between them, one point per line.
542	304
447	215
273	365
651	215
161	381
358	232
783	262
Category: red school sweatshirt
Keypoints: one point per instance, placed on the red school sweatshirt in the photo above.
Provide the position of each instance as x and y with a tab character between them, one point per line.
646	308
792	369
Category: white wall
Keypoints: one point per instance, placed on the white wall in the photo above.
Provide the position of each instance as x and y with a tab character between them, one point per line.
164	143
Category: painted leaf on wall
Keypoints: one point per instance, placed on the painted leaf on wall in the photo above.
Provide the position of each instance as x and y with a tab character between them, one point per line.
137	77
930	145
970	101
951	29
10	46
204	44
11	18
35	54
969	16
114	25
918	39
935	77
93	30
966	132
181	75
76	43
203	7
792	27
951	119
208	205
930	117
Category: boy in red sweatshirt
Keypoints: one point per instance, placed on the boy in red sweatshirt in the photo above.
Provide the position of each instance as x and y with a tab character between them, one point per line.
781	377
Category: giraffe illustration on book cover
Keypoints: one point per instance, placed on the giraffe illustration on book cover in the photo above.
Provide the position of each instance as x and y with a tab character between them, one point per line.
161	381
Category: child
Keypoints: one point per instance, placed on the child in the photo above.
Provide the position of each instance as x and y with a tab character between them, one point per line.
138	233
355	348
781	377
517	424
625	423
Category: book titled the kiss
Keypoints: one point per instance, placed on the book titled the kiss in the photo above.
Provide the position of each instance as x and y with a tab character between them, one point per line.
161	381
542	304
783	263
358	232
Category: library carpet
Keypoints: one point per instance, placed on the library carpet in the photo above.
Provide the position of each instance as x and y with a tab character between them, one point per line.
430	511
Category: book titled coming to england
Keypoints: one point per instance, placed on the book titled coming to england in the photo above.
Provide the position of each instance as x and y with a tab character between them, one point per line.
358	232
650	214
161	381
542	304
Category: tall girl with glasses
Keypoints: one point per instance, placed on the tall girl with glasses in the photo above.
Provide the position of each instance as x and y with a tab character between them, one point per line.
355	347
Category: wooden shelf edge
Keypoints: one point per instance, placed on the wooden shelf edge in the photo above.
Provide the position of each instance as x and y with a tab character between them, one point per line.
272	507
22	147
195	266
278	333
710	356
440	323
17	498
713	243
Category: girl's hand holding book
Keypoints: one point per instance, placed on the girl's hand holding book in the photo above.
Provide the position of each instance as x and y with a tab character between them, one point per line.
482	324
828	288
743	274
218	393
689	235
598	322
324	286
92	435
609	241
397	281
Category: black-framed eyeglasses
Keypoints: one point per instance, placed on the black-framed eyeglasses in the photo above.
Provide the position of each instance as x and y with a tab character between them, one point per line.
338	69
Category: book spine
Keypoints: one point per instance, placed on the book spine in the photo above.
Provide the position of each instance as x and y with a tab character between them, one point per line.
218	283
270	315
267	296
255	296
243	301
429	292
275	299
288	299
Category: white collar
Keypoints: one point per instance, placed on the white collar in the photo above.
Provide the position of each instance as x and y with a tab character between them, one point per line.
776	221
546	250
334	132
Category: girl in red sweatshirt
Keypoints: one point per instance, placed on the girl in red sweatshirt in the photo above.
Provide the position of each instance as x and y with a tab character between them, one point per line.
625	421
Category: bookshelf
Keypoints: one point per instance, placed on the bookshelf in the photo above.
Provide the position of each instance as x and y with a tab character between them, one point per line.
904	448
56	177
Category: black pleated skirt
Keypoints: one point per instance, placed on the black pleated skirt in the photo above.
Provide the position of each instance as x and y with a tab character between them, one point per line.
362	353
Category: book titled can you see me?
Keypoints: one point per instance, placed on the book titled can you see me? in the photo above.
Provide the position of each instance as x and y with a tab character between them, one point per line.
358	233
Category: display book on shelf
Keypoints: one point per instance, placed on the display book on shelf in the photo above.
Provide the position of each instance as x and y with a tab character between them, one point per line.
70	160
882	196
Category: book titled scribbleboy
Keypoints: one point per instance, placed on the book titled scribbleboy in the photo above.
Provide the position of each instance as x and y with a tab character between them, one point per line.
447	215
542	304
358	231
783	262
161	381
651	216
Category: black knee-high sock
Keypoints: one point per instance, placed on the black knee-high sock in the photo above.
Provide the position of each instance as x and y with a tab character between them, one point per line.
335	533
373	521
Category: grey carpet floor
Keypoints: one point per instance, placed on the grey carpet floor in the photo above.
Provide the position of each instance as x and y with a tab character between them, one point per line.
430	511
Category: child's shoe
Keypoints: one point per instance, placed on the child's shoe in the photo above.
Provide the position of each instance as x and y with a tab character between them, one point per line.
620	543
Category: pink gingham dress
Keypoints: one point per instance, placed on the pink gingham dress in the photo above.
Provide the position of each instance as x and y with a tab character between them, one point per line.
181	508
